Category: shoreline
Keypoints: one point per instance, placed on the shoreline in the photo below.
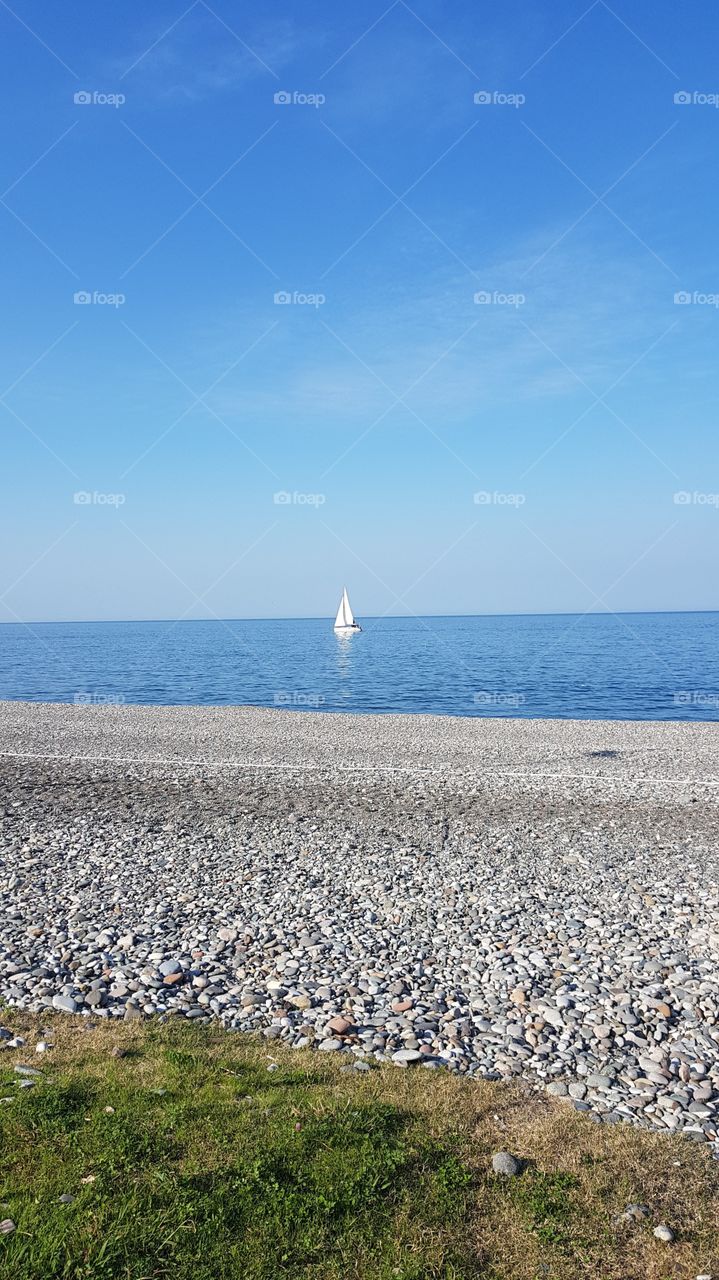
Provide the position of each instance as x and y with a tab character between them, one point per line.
424	891
660	750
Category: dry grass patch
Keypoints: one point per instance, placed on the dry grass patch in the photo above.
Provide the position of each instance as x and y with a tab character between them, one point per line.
187	1157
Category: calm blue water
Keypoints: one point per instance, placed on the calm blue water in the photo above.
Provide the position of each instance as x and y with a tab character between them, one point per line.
631	666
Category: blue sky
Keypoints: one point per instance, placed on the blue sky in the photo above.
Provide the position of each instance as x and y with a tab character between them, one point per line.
381	198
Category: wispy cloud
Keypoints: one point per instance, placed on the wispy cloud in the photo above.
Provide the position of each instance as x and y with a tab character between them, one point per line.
578	320
199	58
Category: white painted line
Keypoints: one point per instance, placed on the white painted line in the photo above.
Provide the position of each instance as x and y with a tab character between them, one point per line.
441	771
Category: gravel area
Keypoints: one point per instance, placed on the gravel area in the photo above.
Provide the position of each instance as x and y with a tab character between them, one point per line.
299	739
532	898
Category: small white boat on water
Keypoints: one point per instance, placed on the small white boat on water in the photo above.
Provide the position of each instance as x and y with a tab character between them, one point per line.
345	620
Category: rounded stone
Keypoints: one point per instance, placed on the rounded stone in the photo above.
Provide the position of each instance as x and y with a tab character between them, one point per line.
65	1003
505	1164
662	1232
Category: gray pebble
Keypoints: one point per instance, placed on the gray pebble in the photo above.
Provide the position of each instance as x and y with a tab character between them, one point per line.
66	1003
506	1164
665	1233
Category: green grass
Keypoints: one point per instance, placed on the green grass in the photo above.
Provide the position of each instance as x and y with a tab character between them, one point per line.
546	1201
228	1171
188	1159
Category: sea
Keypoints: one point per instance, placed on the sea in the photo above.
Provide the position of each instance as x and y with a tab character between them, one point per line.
631	666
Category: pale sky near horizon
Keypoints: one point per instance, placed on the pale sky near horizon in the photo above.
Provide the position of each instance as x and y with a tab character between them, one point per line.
243	362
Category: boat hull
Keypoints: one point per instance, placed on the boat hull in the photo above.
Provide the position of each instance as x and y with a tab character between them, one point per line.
347	631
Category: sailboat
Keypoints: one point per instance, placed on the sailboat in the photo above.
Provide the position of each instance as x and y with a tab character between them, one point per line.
345	620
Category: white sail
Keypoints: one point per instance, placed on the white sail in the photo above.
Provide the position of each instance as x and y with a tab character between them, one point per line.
345	616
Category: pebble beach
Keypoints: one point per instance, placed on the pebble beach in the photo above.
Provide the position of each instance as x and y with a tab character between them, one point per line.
499	898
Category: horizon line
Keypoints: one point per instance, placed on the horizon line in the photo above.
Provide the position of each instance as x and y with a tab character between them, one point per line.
561	613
